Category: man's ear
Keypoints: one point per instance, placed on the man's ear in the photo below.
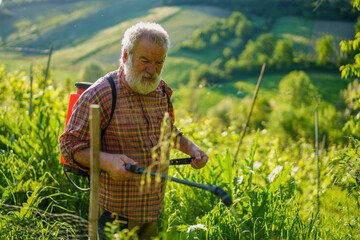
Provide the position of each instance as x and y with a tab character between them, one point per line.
125	56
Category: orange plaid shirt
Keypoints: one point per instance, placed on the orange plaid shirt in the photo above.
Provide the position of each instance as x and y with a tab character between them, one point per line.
133	131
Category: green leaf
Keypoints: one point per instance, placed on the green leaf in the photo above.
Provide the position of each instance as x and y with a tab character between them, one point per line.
279	179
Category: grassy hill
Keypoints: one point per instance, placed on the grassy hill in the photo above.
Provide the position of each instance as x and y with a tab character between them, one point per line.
91	31
304	33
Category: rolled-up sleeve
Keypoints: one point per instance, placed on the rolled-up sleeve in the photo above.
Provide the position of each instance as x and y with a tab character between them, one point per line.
76	135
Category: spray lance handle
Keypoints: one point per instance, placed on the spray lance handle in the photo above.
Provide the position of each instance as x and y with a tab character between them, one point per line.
180	161
226	198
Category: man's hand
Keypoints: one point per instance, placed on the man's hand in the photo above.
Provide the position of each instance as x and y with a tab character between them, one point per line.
116	167
200	158
188	147
113	164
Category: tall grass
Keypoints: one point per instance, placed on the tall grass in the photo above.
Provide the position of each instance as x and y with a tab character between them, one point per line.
272	184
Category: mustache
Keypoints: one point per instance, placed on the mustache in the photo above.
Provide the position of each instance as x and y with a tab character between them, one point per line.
148	75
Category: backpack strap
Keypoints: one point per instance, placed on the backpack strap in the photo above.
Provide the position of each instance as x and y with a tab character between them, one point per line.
113	105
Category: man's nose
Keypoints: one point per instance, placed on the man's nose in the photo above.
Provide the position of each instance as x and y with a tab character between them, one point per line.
151	69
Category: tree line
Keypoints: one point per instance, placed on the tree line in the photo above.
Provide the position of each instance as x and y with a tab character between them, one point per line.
335	9
245	47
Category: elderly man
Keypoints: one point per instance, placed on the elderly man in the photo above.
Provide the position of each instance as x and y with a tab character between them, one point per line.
142	100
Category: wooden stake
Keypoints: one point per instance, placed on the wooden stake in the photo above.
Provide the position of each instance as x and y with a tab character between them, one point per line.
94	170
31	90
47	67
317	161
251	109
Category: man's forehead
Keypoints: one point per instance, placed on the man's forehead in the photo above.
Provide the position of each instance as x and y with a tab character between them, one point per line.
146	48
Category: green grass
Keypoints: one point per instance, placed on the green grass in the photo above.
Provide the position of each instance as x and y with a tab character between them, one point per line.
295	29
209	99
21	62
37	24
304	33
107	43
328	85
176	70
11	65
82	31
182	24
207	57
282	207
338	29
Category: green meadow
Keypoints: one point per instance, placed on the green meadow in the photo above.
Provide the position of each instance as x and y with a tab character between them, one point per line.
277	190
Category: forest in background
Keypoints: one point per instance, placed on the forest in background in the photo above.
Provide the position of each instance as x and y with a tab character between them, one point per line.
226	50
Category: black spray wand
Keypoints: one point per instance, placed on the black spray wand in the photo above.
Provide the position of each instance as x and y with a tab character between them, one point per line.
212	188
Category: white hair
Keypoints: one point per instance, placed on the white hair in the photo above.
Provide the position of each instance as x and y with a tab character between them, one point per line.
153	31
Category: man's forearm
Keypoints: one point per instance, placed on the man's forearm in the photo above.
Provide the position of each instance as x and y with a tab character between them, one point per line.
82	157
185	145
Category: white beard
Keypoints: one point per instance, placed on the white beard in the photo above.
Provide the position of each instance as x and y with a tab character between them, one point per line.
136	82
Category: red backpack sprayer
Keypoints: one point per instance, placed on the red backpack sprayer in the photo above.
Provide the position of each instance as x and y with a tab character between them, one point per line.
80	88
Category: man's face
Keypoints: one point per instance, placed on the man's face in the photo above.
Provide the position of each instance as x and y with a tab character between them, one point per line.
143	69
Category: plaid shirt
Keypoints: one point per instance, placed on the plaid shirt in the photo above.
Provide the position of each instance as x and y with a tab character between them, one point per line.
133	131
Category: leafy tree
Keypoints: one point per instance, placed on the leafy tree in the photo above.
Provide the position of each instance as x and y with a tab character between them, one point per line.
346	103
347	170
283	54
352	46
227	52
265	44
293	109
91	72
222	110
288	122
196	43
217	33
214	39
320	9
191	95
231	65
357	25
206	74
243	29
325	48
248	58
350	70
256	53
259	116
242	26
296	89
350	100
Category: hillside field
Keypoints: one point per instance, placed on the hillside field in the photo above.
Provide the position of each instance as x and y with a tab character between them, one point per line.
294	178
91	34
91	31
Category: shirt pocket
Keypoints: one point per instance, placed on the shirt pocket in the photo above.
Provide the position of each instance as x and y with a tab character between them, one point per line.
156	112
129	124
